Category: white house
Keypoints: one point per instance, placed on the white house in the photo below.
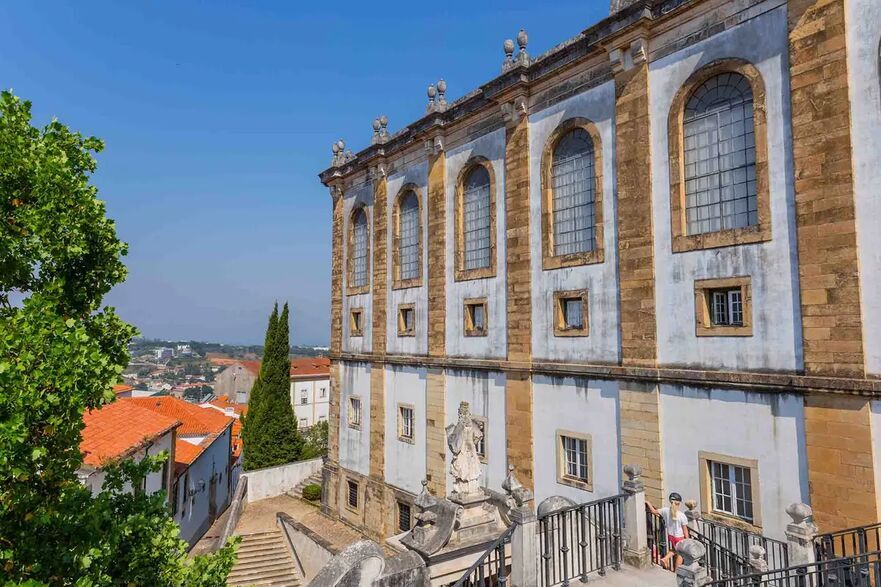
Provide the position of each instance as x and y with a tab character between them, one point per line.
310	390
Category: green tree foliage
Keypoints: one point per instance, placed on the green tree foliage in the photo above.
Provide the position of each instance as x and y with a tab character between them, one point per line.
61	353
270	429
315	441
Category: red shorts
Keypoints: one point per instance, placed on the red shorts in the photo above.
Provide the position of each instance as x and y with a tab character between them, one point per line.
674	541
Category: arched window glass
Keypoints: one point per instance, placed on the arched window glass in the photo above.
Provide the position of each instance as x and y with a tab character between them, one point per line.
720	156
408	243
359	248
574	183
477	223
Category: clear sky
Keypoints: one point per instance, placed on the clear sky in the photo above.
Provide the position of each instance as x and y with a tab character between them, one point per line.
218	116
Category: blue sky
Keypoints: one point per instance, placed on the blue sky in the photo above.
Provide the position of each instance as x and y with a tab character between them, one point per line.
217	117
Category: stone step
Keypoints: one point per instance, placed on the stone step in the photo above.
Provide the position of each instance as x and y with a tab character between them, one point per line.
277	553
260	570
255	546
263	560
283	576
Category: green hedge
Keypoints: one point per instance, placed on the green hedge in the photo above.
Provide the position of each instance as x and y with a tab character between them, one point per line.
312	492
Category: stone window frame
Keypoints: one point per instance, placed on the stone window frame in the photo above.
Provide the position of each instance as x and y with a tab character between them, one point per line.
401	436
706	490
402	330
484	423
761	232
349	411
398	504
562	477
397	282
350	249
560	328
460	273
350	481
468	320
703	288
549	260
353	331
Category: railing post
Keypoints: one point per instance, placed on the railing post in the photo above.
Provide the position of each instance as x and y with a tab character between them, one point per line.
800	535
757	561
524	547
690	573
635	532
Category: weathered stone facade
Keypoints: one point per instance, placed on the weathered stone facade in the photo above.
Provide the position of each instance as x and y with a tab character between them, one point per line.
787	394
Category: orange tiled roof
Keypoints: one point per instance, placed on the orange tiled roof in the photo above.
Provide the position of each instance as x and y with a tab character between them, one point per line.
310	367
119	428
186	452
117	389
223	403
195	421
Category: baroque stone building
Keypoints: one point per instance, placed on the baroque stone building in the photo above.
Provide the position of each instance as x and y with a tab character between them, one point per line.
657	243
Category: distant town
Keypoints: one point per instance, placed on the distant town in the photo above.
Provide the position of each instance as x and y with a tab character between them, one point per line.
189	369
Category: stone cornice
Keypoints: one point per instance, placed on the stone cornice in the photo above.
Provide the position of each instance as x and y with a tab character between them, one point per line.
754	381
511	82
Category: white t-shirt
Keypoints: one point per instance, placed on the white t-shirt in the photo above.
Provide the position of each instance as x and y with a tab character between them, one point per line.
674	527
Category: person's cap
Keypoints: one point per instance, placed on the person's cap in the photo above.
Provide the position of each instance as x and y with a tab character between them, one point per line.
675	497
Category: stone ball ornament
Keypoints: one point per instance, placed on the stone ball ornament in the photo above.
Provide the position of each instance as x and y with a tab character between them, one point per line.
432	92
383	120
522	39
508	47
441	86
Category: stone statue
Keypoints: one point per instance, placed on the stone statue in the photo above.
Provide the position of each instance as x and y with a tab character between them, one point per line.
462	438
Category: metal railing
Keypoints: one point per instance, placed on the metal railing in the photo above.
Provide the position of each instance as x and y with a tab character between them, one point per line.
491	568
720	561
656	530
863	570
579	540
739	542
849	542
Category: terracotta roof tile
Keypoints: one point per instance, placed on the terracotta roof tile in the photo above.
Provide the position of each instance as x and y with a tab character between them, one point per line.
119	428
186	452
195	421
310	367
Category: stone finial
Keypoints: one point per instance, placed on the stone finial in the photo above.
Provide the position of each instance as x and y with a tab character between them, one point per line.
691	512
691	552
512	486
616	6
383	123
633	483
441	95
690	573
801	514
522	55
432	104
757	561
340	155
425	500
508	47
380	129
376	127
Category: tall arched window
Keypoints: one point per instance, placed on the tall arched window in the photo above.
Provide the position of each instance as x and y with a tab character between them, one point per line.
477	221
573	174
719	150
408	236
360	248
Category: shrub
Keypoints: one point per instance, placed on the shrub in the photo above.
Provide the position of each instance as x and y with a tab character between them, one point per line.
312	492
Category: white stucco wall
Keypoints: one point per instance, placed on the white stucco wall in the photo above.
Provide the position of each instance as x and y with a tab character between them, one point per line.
410	345
863	20
776	342
485	393
273	481
601	280
357	195
94	480
355	444
583	406
213	463
316	406
491	146
404	461
766	427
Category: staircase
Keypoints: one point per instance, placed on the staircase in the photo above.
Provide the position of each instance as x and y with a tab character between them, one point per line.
297	491
263	559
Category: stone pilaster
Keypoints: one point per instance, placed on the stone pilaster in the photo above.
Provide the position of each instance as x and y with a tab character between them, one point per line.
380	259
824	198
838	438
518	270
336	274
333	433
377	421
518	426
635	233
435	434
641	435
437	252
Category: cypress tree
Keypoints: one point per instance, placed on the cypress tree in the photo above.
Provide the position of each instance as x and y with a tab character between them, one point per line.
255	394
272	438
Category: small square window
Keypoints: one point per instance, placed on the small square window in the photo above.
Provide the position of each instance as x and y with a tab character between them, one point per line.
723	307
730	488
354	412
571	313
356	322
304	422
352	494
304	397
322	392
406	320
574	460
475	317
406	423
404	516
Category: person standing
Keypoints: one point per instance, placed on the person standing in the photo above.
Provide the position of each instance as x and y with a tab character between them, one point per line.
677	529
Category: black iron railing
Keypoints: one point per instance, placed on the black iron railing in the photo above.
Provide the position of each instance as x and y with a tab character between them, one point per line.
720	561
491	569
579	540
850	542
863	570
657	536
739	542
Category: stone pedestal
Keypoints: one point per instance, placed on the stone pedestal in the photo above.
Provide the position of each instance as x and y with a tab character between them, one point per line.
800	535
635	531
524	548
